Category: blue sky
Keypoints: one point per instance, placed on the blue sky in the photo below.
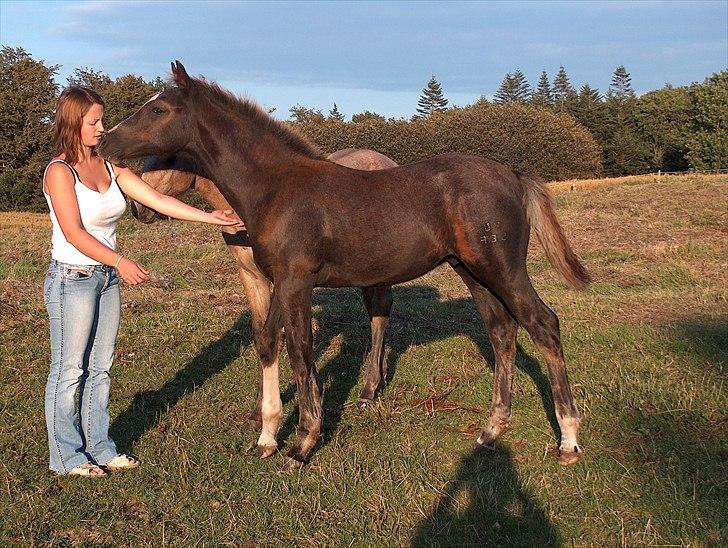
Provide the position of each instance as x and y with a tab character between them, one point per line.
375	55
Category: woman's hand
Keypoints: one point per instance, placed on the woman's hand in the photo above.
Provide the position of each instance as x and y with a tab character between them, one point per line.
131	272
225	217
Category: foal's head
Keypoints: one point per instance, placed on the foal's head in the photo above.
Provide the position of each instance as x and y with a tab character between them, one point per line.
176	120
162	126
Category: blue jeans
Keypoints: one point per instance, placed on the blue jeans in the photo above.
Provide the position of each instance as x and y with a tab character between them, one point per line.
84	309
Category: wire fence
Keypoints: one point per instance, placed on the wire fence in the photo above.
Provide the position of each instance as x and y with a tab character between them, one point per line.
691	172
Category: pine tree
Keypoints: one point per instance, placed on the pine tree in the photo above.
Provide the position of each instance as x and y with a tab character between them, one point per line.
334	114
590	110
431	100
564	93
542	94
625	152
621	86
506	92
513	89
521	87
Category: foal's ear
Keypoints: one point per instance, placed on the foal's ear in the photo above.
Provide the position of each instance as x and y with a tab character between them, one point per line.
180	76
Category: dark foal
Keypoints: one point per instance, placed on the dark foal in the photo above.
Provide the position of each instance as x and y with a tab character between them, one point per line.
314	223
175	175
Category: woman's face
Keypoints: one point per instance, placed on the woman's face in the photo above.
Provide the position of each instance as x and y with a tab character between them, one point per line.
92	126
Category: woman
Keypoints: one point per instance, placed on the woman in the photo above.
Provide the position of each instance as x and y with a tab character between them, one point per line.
81	291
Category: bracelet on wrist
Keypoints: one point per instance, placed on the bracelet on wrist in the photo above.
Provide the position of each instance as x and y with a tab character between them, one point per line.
118	261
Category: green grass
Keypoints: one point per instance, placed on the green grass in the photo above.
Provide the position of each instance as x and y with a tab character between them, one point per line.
646	347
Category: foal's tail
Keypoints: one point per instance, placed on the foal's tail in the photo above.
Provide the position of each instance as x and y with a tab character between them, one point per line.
541	216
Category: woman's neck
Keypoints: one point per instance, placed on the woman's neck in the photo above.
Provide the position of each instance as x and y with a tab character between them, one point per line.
85	155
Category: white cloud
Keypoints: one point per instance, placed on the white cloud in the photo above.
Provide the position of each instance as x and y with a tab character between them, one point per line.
85	8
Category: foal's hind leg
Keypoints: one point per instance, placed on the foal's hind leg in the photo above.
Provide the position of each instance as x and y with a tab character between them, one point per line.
378	301
542	324
502	331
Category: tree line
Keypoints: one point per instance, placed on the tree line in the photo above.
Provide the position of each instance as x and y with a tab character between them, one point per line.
670	129
551	130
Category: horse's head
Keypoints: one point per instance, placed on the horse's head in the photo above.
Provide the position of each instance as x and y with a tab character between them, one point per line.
162	126
171	175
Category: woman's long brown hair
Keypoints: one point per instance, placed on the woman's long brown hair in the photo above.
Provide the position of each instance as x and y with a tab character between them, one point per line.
73	104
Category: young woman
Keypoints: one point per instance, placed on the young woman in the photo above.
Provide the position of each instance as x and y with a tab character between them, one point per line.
81	291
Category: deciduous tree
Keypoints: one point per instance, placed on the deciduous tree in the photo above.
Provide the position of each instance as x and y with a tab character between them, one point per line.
302	114
708	144
28	95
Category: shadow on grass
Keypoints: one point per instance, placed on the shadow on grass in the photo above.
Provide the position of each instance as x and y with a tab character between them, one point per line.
486	504
686	454
418	318
686	450
147	408
706	338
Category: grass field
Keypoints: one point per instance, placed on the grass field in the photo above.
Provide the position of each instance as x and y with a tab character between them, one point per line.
646	346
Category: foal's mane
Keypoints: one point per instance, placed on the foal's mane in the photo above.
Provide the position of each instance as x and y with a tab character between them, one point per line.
256	115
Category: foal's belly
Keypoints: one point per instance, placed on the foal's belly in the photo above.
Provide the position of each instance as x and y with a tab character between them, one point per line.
379	265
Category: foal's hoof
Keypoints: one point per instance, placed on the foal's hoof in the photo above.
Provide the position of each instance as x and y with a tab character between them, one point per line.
480	448
291	464
363	403
265	451
570	457
252	424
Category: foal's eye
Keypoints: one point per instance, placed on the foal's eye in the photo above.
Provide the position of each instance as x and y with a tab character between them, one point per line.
157	110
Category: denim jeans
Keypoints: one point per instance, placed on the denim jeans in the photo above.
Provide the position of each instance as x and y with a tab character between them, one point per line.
84	310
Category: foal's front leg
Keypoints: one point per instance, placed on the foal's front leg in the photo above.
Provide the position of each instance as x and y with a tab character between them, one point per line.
258	293
294	297
269	395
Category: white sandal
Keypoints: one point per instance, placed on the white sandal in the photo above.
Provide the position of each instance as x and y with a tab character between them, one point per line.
122	462
87	470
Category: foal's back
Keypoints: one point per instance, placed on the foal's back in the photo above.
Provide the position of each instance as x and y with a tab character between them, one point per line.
395	224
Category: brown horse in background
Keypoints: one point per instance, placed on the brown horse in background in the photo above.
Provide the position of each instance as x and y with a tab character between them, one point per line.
175	174
313	223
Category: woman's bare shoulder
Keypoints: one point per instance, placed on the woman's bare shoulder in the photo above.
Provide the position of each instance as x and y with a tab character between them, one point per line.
58	172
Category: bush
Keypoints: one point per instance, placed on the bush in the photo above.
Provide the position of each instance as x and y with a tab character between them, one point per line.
523	137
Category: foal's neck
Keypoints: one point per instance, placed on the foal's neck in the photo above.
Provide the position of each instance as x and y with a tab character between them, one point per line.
245	156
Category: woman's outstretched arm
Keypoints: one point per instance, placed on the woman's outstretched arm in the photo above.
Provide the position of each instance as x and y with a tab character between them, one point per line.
139	191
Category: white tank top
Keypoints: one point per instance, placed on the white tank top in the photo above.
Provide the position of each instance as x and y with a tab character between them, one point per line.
100	213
